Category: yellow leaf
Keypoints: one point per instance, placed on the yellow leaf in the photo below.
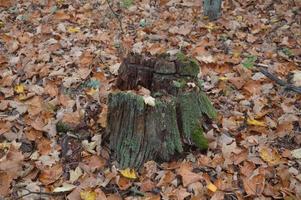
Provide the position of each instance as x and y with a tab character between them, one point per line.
22	97
60	1
128	173
1	24
92	91
223	78
4	145
270	155
210	26
211	187
88	195
73	29
236	54
19	89
255	122
239	18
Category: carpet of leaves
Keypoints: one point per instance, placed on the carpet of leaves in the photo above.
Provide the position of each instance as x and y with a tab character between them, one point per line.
58	63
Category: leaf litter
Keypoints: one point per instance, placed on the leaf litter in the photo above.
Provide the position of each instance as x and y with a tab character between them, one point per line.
58	63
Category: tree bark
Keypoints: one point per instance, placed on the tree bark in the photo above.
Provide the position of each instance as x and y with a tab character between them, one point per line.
140	132
212	8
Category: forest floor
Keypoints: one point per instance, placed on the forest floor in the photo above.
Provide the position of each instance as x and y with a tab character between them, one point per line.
58	63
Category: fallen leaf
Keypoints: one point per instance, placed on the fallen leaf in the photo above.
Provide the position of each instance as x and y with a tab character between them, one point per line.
255	122
252	87
64	188
73	29
114	68
147	185
89	146
85	61
51	174
149	100
5	126
128	173
297	78
19	89
270	155
61	15
247	168
5	181
254	185
182	193
124	183
93	163
102	117
211	187
7	3
205	58
166	179
11	163
187	175
75	174
88	195
296	153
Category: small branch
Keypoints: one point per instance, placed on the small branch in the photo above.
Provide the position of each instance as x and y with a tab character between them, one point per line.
40	193
279	81
116	15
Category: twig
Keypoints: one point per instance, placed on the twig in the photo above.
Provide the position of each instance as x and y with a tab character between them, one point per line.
287	86
40	193
116	15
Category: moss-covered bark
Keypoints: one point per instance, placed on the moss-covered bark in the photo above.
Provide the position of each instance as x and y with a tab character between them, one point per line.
139	132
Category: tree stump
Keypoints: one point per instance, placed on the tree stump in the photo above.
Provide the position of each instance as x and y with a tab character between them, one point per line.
140	132
212	8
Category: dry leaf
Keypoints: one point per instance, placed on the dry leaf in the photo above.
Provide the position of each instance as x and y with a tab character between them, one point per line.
73	29
19	89
88	195
64	188
148	100
75	174
124	183
187	175
5	181
128	173
211	187
114	68
11	163
270	155
166	179
254	185
296	153
51	174
102	117
93	163
255	122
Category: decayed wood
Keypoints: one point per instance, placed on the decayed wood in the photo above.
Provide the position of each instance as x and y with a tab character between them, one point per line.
140	132
212	8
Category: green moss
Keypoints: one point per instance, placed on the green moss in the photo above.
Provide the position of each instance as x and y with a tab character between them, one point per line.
206	106
199	139
166	116
192	107
174	142
181	57
122	97
62	127
179	84
190	113
188	65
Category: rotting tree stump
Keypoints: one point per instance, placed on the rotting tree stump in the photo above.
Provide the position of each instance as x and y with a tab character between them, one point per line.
139	132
